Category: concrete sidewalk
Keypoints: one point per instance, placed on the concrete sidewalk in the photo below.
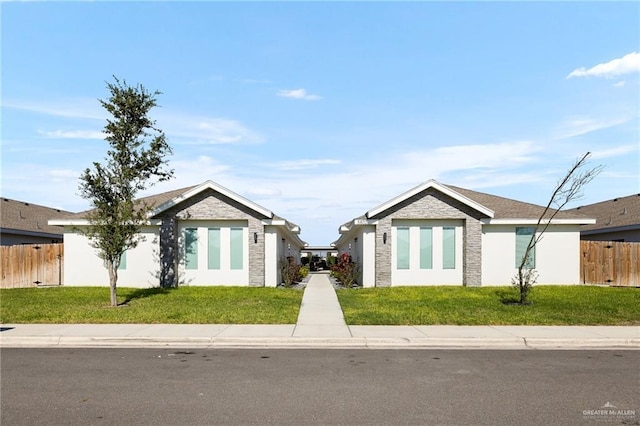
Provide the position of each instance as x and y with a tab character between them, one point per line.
320	312
320	325
285	336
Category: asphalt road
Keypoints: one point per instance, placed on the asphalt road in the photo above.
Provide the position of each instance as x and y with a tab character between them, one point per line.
303	387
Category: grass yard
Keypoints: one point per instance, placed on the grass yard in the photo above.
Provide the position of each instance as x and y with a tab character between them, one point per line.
552	305
184	305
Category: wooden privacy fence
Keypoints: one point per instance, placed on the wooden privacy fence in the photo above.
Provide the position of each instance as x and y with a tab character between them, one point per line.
32	265
613	263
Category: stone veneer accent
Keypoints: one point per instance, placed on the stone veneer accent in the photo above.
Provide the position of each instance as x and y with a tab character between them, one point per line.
432	204
209	205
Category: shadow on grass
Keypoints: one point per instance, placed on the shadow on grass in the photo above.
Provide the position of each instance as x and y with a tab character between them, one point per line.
510	297
144	293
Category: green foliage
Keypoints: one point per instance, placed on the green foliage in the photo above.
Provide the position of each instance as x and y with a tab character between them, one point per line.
303	271
184	305
345	271
290	271
135	161
552	305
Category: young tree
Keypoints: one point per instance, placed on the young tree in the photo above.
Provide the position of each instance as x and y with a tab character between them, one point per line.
568	189
135	161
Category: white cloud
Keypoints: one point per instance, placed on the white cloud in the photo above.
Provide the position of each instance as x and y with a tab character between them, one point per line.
628	64
63	175
263	192
205	130
614	152
303	164
75	108
577	126
298	94
620	84
465	157
72	134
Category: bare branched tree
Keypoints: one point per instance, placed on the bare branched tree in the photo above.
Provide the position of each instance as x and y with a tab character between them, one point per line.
568	189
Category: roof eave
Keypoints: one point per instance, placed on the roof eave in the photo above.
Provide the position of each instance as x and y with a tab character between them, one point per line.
86	222
530	221
424	186
611	229
215	187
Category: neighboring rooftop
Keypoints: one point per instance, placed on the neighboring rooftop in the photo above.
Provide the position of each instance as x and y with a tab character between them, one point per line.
21	217
621	212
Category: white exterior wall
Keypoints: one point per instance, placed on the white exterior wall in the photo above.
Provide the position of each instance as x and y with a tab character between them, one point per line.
557	255
437	275
271	257
368	253
289	248
275	252
225	275
83	267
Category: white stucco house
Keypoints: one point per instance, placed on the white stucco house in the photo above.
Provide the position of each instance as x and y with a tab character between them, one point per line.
436	234
199	235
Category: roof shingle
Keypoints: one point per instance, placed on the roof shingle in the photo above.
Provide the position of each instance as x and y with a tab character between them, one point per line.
24	216
615	213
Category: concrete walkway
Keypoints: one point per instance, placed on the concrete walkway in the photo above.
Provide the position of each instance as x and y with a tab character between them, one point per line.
320	313
320	325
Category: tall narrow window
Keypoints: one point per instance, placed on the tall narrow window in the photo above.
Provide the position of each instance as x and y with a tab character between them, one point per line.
213	251
402	246
523	236
448	247
237	248
123	261
191	248
426	248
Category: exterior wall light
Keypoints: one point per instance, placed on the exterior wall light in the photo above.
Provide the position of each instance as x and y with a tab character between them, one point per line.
384	238
255	237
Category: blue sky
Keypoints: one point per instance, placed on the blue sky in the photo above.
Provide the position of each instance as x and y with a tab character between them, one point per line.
321	111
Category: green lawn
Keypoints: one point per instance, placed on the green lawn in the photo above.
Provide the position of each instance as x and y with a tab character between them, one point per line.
552	305
184	305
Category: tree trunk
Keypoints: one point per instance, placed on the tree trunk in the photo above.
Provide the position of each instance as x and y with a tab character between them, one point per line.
113	280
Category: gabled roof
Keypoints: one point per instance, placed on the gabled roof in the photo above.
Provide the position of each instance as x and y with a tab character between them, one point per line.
215	187
422	187
507	208
166	200
20	217
496	209
621	212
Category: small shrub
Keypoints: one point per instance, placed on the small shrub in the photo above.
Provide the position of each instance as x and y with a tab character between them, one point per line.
345	271
303	271
290	272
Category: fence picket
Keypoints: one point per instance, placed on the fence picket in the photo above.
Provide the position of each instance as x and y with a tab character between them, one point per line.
25	265
608	262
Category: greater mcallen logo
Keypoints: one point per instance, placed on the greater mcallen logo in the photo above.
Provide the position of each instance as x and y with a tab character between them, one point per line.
608	412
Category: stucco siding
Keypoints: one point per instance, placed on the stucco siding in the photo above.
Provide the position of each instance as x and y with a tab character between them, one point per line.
211	205
368	253
272	257
428	205
83	267
436	274
557	255
204	275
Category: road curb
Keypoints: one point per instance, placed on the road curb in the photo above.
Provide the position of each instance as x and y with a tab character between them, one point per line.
318	343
